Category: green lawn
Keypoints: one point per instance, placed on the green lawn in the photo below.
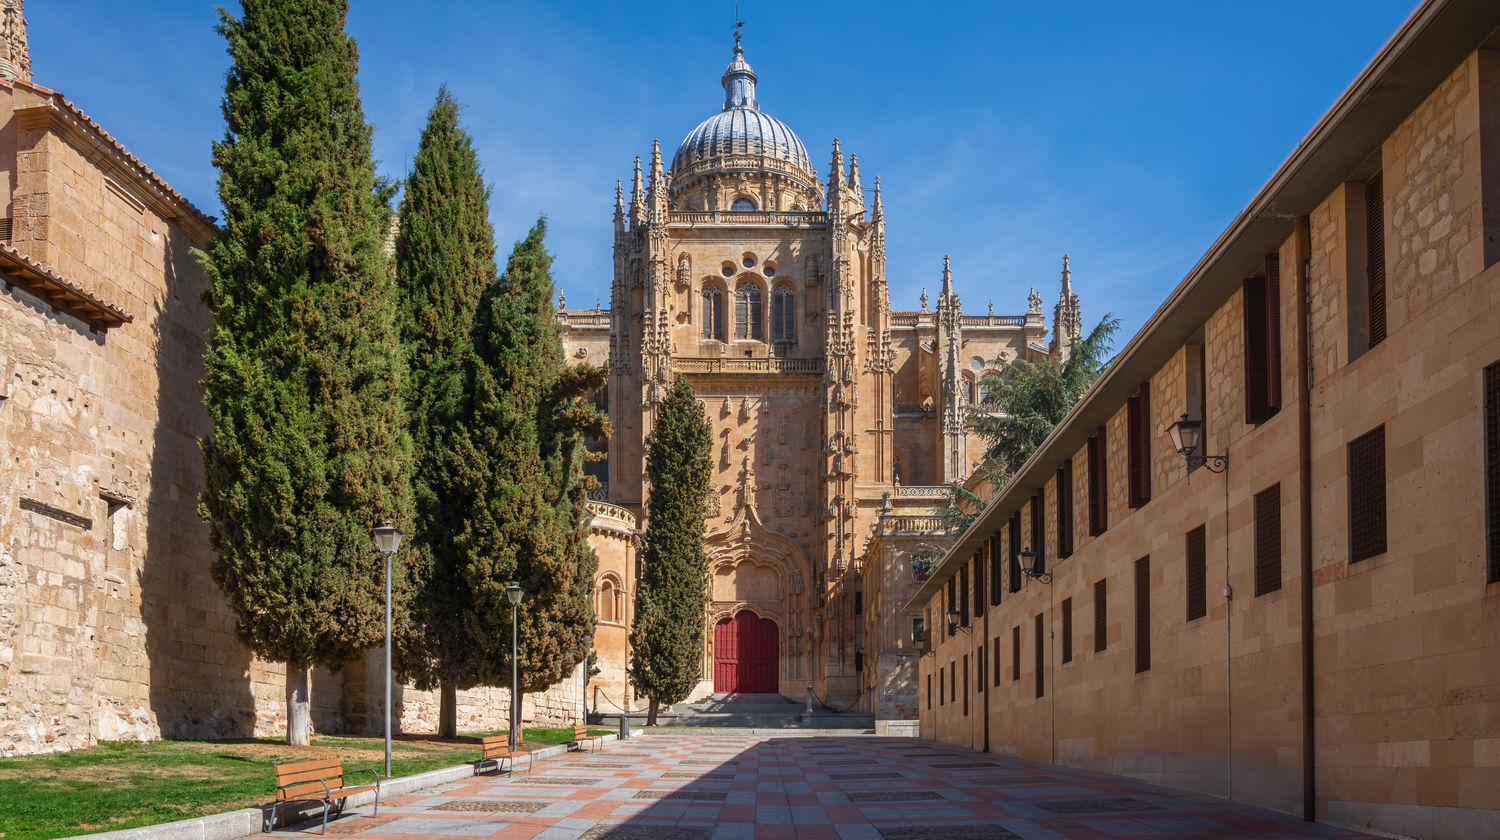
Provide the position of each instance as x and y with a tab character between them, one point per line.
129	784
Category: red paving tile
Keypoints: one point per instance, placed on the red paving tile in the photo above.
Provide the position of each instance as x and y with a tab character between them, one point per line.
718	785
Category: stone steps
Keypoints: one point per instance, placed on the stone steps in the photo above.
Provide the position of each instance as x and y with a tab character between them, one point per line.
749	711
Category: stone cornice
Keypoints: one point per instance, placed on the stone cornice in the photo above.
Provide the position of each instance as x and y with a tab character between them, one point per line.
61	117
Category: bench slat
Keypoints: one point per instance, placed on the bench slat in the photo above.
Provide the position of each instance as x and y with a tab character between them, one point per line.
327	776
309	766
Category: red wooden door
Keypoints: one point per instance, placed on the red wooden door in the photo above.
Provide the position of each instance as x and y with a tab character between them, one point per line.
745	654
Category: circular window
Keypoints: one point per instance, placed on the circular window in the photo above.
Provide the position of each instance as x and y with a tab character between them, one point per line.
769	270
977	364
748	261
742	205
727	271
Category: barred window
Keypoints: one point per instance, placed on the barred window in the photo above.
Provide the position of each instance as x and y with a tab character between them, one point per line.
1268	540
1197	573
1367	495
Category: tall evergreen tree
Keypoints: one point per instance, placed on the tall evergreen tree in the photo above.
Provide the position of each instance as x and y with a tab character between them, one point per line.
520	457
303	368
445	262
1021	406
666	640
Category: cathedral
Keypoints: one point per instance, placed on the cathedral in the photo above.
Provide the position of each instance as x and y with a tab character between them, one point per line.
833	415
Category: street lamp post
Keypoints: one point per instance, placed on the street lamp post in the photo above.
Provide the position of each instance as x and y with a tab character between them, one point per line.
513	594
387	540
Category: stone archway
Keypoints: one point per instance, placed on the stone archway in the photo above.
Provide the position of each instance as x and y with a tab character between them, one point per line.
746	653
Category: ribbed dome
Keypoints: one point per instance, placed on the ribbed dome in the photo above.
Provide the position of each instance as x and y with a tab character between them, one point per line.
741	128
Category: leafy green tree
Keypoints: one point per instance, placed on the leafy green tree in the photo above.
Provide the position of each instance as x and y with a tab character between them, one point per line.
666	639
445	262
519	458
303	368
1022	403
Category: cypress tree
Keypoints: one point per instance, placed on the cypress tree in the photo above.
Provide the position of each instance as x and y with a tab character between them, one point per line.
666	639
445	262
303	367
520	456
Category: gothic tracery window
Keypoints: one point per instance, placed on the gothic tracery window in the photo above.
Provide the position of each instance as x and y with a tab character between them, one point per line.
783	320
748	321
742	205
713	313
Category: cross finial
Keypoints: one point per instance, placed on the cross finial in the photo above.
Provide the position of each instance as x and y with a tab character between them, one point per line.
738	25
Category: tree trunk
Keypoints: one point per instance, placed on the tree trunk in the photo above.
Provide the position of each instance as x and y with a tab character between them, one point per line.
448	710
298	705
651	713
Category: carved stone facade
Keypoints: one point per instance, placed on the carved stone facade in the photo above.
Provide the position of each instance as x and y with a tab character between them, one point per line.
765	286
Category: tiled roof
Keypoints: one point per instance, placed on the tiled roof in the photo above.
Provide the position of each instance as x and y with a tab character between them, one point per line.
67	295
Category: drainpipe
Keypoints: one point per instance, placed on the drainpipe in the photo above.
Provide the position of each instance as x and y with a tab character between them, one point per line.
1302	249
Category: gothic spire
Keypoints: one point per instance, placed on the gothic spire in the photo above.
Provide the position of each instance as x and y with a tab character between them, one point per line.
637	197
1067	278
947	280
15	53
854	173
619	206
836	171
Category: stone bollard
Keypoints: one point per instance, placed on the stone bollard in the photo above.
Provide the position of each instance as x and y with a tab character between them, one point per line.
624	727
809	700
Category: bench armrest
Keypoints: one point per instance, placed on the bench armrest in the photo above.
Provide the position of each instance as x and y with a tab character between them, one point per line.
323	782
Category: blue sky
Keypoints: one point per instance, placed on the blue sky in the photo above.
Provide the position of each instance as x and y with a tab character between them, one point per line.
1005	134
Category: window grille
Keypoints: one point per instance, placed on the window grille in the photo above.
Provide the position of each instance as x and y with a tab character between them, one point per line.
1367	495
1268	540
1197	573
1143	614
1375	256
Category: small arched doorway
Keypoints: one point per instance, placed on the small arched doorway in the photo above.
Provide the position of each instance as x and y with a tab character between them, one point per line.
745	654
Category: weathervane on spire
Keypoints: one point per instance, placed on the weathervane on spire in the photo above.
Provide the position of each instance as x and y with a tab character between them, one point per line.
738	25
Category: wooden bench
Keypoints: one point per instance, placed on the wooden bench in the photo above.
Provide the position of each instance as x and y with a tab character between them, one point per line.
317	781
497	749
581	734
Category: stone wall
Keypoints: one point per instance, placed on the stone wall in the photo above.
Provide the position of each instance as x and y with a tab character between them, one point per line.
1406	688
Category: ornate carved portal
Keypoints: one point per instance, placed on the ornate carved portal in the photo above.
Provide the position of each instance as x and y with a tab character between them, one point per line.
762	574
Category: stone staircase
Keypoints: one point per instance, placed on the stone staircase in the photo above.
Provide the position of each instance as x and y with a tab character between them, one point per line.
749	711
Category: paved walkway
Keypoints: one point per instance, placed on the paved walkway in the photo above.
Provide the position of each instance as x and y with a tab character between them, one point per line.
714	786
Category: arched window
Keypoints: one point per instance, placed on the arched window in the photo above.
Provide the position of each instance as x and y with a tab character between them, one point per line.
747	313
742	205
783	321
713	313
968	385
607	602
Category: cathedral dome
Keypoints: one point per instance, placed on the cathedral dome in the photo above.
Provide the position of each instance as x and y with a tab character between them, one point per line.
741	130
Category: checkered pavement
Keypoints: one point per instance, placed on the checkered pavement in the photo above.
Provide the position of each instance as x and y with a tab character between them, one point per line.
707	785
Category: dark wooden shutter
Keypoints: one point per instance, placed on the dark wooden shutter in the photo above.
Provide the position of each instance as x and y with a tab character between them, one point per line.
929	691
942	688
1375	256
1492	468
1257	410
963	595
952	681
996	666
978	562
1098	484
1138	415
979	670
1065	510
1015	653
1067	630
997	568
1268	540
1041	683
1039	528
1197	573
966	685
1101	616
1367	495
1015	552
1143	614
1273	334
